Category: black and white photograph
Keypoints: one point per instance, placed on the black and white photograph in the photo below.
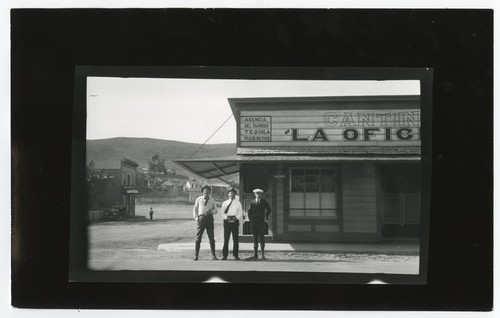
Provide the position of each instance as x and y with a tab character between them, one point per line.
303	159
235	175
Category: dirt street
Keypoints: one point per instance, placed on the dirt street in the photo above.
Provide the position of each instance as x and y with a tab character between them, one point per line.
133	245
171	223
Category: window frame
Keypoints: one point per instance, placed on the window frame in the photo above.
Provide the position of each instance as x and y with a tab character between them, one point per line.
337	209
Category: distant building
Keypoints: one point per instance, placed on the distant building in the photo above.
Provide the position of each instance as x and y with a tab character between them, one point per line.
119	189
193	188
218	188
173	185
192	184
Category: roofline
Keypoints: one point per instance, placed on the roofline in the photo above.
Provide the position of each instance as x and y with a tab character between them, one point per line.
130	162
233	165
304	158
256	101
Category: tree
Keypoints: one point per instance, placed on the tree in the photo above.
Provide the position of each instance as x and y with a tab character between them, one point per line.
156	167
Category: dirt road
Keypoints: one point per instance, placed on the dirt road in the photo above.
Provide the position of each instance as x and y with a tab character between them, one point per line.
133	245
173	223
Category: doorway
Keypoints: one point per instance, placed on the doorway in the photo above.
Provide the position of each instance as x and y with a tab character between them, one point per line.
400	200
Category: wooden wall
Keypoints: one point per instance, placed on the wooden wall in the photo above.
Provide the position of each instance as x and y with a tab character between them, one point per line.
359	200
280	201
275	128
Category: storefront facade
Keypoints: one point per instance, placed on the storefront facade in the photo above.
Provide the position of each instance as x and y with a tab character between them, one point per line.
121	190
332	168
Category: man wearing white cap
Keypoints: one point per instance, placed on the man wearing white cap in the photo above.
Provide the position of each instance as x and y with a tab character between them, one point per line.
232	212
258	213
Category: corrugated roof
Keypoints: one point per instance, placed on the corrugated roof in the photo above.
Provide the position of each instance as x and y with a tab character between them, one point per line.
217	167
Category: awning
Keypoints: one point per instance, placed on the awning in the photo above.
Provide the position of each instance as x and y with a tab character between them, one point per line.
209	168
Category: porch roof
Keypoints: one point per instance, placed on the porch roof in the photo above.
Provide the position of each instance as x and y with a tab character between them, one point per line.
209	168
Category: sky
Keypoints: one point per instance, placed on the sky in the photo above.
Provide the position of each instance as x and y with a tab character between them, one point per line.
191	110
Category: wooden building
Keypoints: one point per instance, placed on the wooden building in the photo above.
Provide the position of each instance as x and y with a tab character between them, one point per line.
333	168
119	190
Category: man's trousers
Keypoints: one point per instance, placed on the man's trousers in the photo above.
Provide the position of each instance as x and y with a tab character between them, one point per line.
231	228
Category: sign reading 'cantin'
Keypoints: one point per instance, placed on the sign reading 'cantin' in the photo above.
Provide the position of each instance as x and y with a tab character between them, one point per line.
381	127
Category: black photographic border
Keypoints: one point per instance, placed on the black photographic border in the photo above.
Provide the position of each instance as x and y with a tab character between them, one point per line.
48	45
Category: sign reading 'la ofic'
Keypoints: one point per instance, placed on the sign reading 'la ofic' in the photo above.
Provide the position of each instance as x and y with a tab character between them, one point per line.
381	127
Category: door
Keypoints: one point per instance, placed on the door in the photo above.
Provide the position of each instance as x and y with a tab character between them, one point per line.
257	177
400	200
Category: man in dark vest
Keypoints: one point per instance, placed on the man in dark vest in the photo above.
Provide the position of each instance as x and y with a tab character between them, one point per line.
258	214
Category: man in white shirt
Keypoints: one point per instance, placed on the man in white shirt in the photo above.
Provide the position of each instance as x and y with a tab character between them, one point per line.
232	213
203	211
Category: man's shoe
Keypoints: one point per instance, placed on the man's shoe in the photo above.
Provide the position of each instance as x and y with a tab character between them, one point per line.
237	258
195	258
255	257
263	257
224	258
214	258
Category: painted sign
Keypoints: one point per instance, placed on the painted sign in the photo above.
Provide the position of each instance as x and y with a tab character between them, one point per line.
256	128
363	127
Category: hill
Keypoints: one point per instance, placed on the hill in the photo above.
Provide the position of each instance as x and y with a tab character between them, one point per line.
107	153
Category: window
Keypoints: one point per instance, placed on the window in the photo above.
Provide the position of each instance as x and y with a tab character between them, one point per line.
128	179
312	193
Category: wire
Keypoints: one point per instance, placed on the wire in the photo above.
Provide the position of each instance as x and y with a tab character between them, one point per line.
203	144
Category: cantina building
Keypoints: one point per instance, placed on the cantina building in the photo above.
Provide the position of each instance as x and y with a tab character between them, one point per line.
343	168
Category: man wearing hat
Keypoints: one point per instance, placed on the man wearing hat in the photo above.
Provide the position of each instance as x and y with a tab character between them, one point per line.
203	211
258	213
232	212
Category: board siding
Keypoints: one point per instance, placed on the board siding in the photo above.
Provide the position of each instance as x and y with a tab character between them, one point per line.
280	223
359	198
276	129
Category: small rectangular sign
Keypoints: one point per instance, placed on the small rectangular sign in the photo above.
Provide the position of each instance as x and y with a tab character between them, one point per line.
256	128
